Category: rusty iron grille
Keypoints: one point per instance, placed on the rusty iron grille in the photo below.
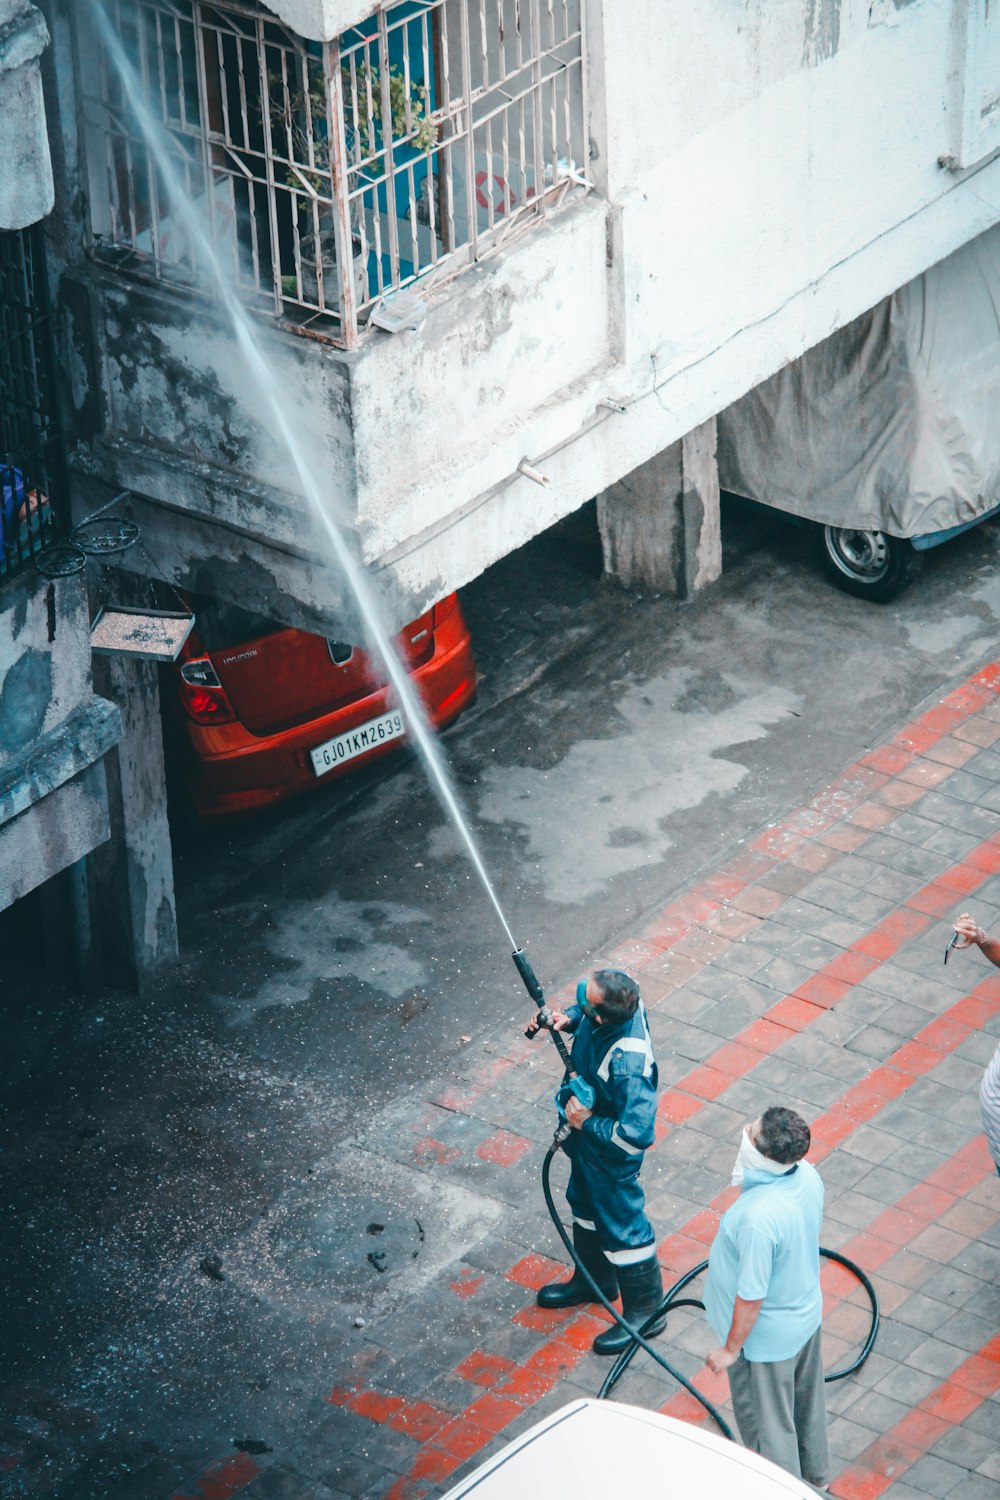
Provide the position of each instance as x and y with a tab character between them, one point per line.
32	462
331	175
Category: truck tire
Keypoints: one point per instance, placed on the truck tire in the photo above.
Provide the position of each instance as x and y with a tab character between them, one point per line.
869	564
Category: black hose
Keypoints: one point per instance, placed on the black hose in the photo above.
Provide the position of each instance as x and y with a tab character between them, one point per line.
636	1334
869	1343
672	1301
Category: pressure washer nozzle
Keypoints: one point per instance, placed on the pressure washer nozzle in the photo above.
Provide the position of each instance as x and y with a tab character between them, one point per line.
523	965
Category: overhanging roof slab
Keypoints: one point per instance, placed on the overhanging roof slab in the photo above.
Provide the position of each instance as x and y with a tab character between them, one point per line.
321	20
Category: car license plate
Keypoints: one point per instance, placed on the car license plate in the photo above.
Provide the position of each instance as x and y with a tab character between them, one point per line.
345	747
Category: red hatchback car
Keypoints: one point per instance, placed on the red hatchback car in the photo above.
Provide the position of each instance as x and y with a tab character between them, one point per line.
267	712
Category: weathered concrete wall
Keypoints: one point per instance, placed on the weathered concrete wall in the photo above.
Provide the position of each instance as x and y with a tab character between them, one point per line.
56	832
445	411
761	181
54	732
160	403
44	658
26	188
174	380
163	406
212	557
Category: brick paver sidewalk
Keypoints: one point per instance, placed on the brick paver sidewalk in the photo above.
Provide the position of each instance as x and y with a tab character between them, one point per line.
808	971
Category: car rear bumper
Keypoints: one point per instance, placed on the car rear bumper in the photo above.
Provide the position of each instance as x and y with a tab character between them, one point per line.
231	771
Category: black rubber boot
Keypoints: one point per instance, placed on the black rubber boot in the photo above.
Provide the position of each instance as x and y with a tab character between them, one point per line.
642	1294
578	1289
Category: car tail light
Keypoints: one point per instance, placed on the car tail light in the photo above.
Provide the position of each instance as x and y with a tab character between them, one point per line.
202	694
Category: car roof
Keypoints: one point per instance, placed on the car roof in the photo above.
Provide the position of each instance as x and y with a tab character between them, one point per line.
593	1449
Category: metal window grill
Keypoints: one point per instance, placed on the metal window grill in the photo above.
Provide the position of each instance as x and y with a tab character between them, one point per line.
330	175
32	461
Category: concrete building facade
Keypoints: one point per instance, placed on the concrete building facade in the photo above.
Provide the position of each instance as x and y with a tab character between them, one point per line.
671	204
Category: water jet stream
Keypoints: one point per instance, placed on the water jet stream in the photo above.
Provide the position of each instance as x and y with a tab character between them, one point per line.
186	212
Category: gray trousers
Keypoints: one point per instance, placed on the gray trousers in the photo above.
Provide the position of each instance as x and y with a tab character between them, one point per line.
780	1409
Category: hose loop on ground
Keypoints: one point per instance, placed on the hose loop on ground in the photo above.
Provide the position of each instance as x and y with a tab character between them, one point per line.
636	1334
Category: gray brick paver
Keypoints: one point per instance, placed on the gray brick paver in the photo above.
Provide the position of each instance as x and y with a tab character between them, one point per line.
936	1357
935	1476
974	1487
965	1448
927	1314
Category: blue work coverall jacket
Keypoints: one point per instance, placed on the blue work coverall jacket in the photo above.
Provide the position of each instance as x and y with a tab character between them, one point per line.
606	1154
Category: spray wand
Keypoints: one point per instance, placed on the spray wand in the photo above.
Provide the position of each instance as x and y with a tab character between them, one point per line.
574	1085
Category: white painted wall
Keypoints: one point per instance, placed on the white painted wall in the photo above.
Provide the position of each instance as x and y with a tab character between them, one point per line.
763	173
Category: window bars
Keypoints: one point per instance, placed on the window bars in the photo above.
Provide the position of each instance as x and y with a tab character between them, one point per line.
32	464
332	174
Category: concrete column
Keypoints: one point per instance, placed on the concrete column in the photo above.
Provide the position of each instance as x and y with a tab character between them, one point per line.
26	190
132	885
659	525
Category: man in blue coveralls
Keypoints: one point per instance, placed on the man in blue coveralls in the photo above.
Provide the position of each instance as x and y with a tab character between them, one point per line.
611	1234
763	1298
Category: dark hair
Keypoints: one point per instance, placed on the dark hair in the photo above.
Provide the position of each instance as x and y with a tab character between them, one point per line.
783	1136
619	994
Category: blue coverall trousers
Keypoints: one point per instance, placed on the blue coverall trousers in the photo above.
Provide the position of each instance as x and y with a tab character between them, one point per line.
605	1194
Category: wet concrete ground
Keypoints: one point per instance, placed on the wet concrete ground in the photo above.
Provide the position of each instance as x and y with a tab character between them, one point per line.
198	1207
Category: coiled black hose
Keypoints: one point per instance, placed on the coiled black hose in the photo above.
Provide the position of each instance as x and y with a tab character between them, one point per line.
637	1334
672	1300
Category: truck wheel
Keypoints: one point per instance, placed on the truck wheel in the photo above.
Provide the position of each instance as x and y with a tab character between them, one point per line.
869	564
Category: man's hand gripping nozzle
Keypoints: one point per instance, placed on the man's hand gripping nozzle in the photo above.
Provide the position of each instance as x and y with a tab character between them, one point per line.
544	1022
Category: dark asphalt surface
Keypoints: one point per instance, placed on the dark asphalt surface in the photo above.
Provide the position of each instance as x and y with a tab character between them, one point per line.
338	951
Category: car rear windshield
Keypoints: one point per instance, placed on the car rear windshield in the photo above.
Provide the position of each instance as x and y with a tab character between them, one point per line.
221	625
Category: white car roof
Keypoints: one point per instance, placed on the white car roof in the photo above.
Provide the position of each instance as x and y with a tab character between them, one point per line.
593	1450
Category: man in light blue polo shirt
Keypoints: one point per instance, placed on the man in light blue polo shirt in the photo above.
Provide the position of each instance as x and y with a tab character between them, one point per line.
763	1298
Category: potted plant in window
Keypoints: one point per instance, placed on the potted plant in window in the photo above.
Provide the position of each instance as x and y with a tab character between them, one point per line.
302	119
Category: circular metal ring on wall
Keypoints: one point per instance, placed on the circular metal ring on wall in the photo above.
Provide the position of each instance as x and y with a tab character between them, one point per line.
105	535
61	560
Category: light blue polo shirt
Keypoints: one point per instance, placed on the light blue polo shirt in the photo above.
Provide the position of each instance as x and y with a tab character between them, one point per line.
768	1246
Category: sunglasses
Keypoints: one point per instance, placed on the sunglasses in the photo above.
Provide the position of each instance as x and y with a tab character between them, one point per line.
590	1011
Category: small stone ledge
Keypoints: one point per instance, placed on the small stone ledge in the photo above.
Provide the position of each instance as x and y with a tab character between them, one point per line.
91	730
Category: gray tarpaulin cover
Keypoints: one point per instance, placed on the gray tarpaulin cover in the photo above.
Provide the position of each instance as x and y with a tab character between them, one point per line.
893	423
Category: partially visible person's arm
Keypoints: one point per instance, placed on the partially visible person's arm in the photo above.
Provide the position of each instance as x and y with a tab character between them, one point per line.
970	934
744	1317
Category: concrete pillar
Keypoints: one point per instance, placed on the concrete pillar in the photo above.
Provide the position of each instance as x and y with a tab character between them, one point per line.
659	525
26	190
132	876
